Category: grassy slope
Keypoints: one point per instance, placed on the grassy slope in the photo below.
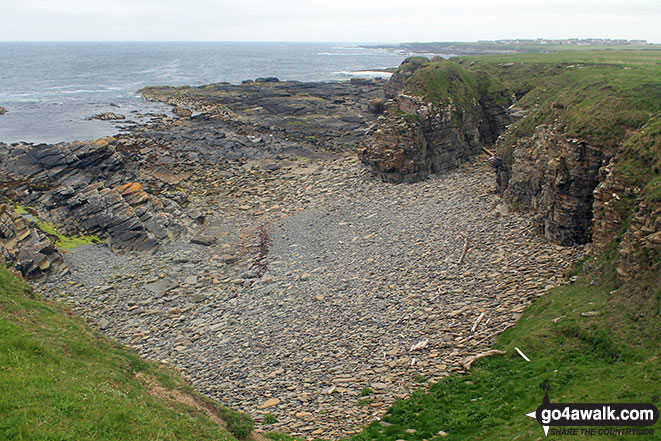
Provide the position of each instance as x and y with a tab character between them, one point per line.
600	96
61	381
611	357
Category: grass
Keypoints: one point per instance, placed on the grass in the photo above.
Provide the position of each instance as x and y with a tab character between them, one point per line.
364	402
61	381
61	241
444	82
269	418
67	242
366	391
599	96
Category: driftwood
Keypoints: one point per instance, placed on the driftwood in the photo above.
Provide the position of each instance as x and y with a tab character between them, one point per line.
438	293
488	151
493	334
419	345
470	360
477	322
465	339
463	253
522	354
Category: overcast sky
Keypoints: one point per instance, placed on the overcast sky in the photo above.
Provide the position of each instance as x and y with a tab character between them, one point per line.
328	20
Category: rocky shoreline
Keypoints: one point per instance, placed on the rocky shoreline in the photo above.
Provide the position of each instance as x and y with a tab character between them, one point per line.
247	245
349	284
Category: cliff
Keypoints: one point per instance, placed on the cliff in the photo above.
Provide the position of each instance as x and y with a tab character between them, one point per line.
438	114
576	136
585	158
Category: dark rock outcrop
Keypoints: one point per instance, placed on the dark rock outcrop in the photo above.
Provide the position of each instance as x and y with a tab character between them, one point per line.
2	110
108	116
332	116
89	189
626	216
417	138
24	246
554	176
435	119
182	112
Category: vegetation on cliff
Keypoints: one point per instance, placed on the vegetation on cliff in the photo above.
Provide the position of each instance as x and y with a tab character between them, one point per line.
599	96
61	381
445	82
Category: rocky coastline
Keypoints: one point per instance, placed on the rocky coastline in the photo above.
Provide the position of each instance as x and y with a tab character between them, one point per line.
258	242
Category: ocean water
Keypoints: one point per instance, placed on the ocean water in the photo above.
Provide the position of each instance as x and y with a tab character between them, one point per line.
49	89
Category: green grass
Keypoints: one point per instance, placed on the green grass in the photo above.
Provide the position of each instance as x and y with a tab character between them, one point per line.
67	242
364	402
599	96
61	241
442	82
269	418
61	381
21	209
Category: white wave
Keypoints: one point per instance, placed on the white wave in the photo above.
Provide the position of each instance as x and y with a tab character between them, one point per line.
70	92
68	86
364	73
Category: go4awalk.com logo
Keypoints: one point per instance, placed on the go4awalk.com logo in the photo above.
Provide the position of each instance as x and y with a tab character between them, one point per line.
572	418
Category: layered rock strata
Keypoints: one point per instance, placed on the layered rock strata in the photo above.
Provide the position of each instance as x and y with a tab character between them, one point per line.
432	122
25	245
554	176
89	189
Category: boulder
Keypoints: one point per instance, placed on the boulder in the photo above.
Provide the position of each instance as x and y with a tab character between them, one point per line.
182	112
108	116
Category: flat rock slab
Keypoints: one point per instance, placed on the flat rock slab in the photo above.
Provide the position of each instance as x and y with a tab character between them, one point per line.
205	240
160	287
269	403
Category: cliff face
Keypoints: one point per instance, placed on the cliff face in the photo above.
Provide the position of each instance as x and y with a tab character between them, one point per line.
580	151
416	138
438	115
25	245
627	204
554	176
639	233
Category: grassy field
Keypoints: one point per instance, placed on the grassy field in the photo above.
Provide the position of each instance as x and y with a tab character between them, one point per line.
61	381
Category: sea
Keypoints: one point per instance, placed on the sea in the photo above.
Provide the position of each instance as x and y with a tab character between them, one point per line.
51	89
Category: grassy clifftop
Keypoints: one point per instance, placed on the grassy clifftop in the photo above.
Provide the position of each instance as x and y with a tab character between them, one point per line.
600	96
59	380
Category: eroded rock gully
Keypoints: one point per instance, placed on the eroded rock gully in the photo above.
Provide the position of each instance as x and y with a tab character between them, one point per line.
357	272
278	274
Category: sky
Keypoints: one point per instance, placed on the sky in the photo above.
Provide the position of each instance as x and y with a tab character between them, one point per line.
328	20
